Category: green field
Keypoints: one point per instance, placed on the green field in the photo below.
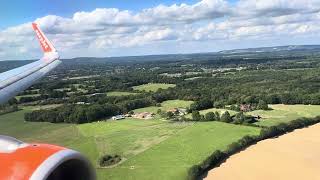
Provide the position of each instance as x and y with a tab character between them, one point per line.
171	158
151	146
166	105
119	93
280	113
66	135
152	87
30	95
151	149
285	113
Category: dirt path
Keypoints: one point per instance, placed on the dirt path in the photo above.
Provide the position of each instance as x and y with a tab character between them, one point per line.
293	156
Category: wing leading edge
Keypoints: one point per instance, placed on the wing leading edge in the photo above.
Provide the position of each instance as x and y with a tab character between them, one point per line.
14	81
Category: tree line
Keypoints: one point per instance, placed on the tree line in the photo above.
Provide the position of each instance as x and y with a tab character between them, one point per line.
80	114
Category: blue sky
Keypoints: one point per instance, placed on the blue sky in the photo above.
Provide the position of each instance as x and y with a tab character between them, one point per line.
15	12
103	28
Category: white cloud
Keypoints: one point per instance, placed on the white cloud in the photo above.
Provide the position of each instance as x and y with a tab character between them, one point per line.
104	30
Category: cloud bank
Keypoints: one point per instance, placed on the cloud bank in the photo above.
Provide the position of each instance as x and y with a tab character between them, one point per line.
208	25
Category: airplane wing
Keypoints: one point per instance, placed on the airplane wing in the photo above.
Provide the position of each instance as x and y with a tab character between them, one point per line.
19	160
14	81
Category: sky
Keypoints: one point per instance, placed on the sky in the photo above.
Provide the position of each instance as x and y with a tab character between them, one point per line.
100	28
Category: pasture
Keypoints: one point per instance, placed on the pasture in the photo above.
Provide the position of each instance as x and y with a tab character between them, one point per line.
166	105
29	95
188	145
119	93
67	135
152	87
146	145
285	113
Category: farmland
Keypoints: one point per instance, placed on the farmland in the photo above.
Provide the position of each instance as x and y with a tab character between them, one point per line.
31	95
179	152
285	113
66	135
119	93
142	143
153	87
73	107
148	147
166	105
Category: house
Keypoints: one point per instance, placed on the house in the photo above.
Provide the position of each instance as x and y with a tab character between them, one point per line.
182	111
118	117
82	103
143	115
245	107
174	110
178	111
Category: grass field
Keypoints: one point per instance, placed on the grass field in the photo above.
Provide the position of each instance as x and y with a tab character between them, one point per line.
118	93
285	113
166	105
151	149
130	137
30	95
171	158
67	135
280	113
152	87
151	146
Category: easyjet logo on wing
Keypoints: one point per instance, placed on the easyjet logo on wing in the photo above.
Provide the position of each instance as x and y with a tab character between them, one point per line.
42	40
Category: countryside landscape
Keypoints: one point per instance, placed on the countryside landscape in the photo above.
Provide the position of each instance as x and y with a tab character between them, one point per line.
170	117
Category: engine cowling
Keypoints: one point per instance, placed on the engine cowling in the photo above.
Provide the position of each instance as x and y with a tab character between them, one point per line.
22	161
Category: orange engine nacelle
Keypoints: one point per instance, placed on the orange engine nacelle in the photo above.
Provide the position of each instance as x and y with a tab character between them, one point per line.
22	161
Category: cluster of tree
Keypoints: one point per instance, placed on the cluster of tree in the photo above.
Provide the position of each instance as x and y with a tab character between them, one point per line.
73	113
217	157
87	113
249	87
28	92
4	109
201	105
47	95
166	114
109	160
129	105
10	106
174	116
239	118
261	105
239	87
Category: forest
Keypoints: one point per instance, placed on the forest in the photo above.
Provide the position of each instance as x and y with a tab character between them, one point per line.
210	80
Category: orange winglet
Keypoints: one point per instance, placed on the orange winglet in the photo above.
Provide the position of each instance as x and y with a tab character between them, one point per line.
44	42
21	163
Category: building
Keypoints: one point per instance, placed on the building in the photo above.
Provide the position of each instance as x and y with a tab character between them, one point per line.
245	107
118	117
178	111
82	103
143	115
